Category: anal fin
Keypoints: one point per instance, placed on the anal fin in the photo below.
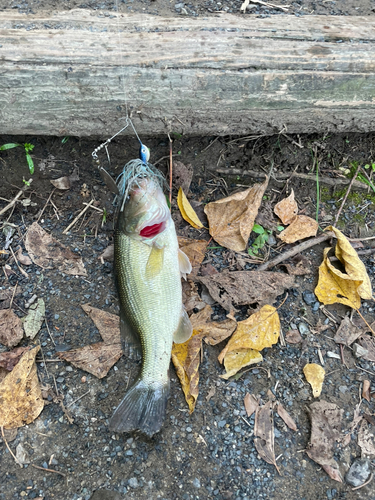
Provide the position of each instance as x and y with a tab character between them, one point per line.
184	329
130	341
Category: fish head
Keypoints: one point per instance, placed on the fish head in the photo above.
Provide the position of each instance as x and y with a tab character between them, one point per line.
146	210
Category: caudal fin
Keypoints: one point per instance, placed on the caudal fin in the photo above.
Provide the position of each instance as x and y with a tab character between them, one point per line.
143	408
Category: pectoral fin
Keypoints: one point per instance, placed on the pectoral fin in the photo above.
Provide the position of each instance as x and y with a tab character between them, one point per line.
184	263
184	329
130	341
155	262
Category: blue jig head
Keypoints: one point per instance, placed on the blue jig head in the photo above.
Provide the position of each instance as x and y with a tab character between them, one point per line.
144	153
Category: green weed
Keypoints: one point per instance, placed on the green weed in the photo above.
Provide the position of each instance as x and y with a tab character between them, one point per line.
28	148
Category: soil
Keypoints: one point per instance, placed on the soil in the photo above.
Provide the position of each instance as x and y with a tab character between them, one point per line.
210	453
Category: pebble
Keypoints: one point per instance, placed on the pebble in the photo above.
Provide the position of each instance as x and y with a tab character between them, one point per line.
133	482
309	297
196	483
303	329
358	473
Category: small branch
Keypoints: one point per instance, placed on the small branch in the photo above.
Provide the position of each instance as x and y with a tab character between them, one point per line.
72	403
297	249
45	205
48	470
10	205
78	216
10	451
364	484
345	197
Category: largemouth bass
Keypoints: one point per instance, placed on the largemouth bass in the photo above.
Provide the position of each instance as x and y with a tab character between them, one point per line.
148	264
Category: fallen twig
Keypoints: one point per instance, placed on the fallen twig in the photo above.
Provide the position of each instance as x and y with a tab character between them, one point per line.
364	484
72	403
284	8
78	216
45	205
10	205
48	470
282	177
10	451
22	271
297	249
346	196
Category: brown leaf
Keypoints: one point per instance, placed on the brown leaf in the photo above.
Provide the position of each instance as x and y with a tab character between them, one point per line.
96	359
286	417
11	329
366	390
214	331
9	359
23	259
108	324
346	333
108	254
186	359
301	227
62	183
208	270
293	337
20	396
182	175
264	433
232	219
240	288
195	250
48	253
325	431
251	404
190	297
287	209
299	270
368	343
266	217
366	440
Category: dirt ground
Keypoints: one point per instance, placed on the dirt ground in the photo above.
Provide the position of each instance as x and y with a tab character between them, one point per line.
211	453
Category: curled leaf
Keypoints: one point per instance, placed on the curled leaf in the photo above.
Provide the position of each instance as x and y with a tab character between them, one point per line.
315	377
238	359
187	210
287	209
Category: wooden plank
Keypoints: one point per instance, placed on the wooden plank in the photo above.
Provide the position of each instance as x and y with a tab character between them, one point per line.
68	74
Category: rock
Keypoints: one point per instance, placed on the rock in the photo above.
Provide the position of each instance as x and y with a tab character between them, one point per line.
309	298
358	473
303	329
133	482
22	455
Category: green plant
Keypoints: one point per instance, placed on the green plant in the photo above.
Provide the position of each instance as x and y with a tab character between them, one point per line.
363	178
28	148
260	240
65	139
104	216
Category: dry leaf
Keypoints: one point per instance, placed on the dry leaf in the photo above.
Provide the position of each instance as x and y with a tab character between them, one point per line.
34	319
264	433
240	288
194	250
366	390
259	331
9	359
368	343
251	404
346	333
11	329
301	227
238	359
108	253
286	417
23	259
366	440
299	270
96	359
293	337
325	431
335	286
287	209
232	219
190	297
62	183
186	359
20	396
182	175
353	265
214	331
187	210
315	377
108	324
46	252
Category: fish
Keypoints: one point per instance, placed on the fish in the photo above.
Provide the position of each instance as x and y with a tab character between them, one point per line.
148	267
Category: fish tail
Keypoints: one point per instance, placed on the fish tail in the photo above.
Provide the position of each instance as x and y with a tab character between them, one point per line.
143	408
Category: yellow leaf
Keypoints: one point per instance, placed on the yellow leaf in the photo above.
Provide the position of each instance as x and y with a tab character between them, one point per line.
315	376
232	219
235	360
20	395
186	358
300	228
286	209
187	210
353	265
335	286
260	330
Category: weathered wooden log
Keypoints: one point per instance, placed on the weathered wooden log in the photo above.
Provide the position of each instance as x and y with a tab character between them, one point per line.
72	73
